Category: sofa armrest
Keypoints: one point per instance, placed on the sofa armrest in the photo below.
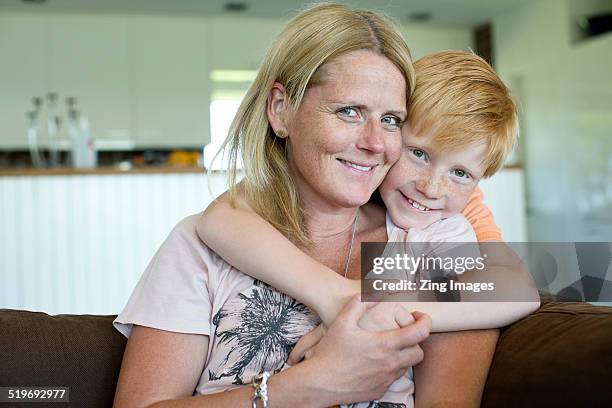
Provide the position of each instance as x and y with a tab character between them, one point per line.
83	352
560	355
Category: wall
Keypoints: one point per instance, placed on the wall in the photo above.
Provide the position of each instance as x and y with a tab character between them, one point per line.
424	38
139	77
565	95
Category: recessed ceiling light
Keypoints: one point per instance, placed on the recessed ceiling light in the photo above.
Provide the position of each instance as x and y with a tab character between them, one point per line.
420	16
235	6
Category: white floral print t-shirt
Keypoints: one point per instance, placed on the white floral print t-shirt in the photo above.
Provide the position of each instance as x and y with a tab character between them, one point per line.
188	288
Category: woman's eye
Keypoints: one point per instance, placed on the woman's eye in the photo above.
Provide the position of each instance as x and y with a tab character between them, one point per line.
392	121
461	173
348	112
418	153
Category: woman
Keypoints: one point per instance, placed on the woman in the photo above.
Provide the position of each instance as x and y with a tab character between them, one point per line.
196	323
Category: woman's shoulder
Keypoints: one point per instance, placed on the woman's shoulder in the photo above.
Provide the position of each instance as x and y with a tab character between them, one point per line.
184	281
185	230
184	255
183	240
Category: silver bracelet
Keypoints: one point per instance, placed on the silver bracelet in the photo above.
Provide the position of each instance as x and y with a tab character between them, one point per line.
260	387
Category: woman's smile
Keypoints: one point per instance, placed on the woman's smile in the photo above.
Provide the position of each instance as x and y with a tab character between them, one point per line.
358	167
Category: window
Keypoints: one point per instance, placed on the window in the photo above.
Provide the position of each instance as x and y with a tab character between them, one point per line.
228	90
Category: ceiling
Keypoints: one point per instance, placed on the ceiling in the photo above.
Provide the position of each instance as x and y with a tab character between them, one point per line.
462	12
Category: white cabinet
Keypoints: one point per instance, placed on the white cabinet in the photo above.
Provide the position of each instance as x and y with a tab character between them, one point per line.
89	60
23	62
169	81
137	78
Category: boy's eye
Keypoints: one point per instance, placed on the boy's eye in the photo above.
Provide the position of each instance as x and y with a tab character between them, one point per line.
461	173
348	111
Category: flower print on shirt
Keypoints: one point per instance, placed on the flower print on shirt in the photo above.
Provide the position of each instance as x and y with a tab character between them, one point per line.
260	327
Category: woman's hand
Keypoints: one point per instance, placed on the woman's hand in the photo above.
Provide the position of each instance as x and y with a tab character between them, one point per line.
380	317
352	364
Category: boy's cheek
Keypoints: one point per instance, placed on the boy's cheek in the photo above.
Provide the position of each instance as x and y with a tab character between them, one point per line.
384	188
458	196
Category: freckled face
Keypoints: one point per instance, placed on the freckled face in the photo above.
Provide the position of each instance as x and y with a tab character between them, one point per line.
346	133
427	184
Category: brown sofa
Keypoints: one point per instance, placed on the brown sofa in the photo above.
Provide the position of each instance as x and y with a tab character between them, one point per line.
561	355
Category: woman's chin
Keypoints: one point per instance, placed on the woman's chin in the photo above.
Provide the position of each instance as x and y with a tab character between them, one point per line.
354	200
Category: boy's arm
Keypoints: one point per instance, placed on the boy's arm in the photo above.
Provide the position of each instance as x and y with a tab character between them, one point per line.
513	285
255	247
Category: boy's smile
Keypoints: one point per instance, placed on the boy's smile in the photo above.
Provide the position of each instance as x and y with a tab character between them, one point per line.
428	183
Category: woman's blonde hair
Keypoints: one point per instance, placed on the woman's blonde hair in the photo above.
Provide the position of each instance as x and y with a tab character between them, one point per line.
311	39
461	98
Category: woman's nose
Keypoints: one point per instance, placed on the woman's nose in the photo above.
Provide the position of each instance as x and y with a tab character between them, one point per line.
431	187
372	138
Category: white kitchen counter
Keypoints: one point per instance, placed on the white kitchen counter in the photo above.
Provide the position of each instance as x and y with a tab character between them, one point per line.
77	241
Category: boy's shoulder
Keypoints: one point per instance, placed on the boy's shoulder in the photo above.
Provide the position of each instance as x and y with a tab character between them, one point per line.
453	229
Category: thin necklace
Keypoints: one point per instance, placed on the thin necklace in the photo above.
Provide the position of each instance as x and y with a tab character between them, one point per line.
350	252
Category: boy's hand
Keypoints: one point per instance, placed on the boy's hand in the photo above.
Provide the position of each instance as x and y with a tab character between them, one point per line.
386	316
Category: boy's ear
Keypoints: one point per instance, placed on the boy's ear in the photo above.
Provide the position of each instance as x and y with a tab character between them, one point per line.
277	109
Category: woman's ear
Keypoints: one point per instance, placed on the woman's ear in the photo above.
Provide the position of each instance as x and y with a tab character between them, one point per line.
278	105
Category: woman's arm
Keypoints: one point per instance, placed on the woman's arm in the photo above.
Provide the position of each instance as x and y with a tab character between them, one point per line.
454	370
159	365
162	368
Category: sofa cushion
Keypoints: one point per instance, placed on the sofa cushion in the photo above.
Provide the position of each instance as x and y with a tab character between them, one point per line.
82	352
561	355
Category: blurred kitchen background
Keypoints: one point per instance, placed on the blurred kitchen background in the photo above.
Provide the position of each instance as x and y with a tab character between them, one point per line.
110	112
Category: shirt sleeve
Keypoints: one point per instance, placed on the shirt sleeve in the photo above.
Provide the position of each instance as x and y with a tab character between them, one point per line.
451	238
172	293
481	218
